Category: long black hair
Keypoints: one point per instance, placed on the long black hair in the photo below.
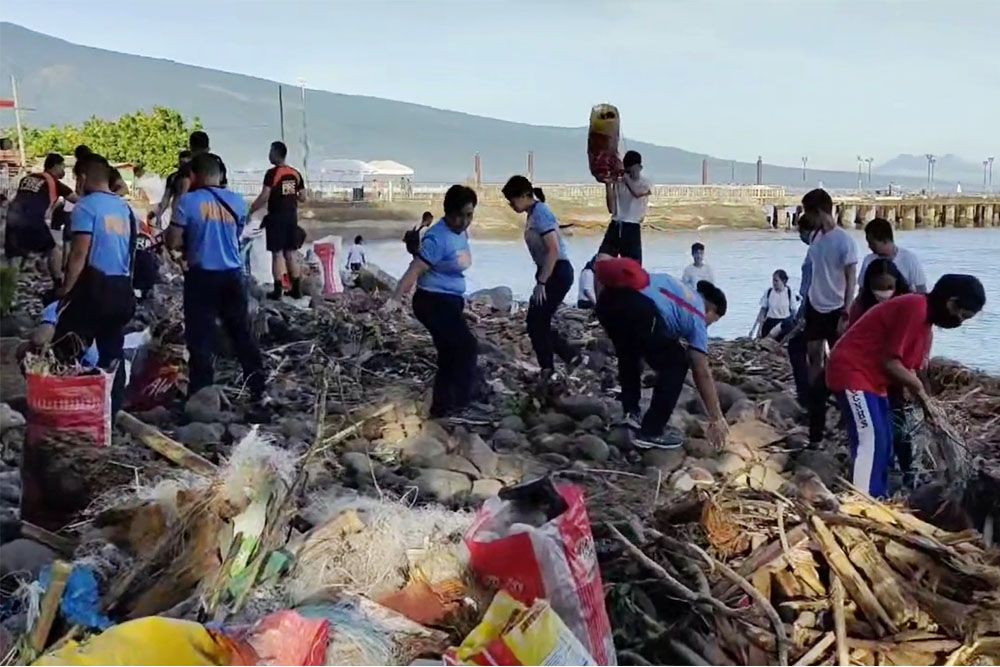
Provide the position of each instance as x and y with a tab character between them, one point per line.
519	186
880	267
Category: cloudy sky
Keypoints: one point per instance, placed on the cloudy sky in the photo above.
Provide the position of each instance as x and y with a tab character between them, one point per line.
828	79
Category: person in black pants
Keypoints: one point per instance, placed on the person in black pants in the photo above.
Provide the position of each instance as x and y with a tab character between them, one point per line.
646	316
207	224
96	298
438	271
553	271
627	199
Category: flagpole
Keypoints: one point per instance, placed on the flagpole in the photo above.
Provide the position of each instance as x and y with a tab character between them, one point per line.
17	120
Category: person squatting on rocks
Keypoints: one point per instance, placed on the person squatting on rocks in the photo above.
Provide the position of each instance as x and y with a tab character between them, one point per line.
878	233
553	271
97	299
776	307
438	271
646	316
833	258
627	199
33	204
207	223
282	191
884	348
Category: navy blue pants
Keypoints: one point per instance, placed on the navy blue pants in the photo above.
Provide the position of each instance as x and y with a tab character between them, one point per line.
869	429
456	349
211	295
545	340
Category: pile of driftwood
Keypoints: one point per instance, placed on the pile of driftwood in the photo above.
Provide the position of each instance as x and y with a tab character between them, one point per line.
779	580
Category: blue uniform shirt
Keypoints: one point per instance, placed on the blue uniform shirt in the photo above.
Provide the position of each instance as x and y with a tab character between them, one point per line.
211	235
448	255
682	309
542	222
105	217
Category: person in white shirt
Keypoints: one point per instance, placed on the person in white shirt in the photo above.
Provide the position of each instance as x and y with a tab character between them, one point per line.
879	235
776	306
627	200
698	270
587	298
834	259
356	257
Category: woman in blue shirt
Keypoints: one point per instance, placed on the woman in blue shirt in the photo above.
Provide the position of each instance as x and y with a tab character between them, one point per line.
438	271
553	272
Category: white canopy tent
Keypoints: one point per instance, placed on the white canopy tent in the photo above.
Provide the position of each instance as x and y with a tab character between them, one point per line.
390	169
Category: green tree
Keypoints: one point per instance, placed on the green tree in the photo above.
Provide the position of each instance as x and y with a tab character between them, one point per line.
150	139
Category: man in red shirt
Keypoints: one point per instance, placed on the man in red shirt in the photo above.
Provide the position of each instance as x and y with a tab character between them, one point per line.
885	347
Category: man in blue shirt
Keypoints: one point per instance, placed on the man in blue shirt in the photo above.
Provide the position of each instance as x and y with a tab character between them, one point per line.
438	271
646	316
207	224
97	297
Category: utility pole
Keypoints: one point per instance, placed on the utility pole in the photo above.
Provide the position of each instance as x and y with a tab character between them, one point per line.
531	165
986	164
859	173
930	172
869	160
305	134
17	120
732	172
760	170
990	160
805	159
281	113
704	171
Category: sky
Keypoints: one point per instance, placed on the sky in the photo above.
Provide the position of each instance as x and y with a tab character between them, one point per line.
825	79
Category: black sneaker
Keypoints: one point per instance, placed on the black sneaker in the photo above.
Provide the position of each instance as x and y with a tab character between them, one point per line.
631	420
296	291
671	438
275	294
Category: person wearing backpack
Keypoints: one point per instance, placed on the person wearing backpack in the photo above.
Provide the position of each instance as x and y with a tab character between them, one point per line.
412	236
207	225
96	296
776	306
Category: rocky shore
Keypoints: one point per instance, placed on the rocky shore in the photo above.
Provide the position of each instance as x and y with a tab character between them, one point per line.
350	387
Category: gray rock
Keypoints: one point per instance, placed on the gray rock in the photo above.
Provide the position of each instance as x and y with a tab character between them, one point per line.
555	421
472	447
755	385
553	442
664	460
554	459
198	435
357	445
10	418
452	462
422	446
299	428
823	464
24	557
206	405
238	431
728	395
10	486
512	422
785	406
442	485
504	438
593	447
592	423
500	298
596	361
741	410
699	448
486	488
158	416
13	386
372	278
580	407
357	463
621	437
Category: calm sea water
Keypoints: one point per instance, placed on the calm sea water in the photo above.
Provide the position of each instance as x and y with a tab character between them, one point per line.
743	262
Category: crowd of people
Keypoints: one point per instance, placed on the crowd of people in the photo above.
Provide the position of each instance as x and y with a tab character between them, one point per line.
866	346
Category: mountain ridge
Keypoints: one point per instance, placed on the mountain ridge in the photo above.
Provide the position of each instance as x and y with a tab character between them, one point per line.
240	112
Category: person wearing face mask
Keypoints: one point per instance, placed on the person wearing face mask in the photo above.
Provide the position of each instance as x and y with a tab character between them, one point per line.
553	271
438	272
886	347
882	281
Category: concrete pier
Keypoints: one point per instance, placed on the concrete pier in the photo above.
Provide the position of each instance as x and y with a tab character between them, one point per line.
915	212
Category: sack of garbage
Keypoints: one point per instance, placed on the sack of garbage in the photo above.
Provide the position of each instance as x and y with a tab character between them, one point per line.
534	541
153	640
604	143
70	404
514	634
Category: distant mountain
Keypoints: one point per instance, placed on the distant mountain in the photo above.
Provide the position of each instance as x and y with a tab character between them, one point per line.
946	167
66	82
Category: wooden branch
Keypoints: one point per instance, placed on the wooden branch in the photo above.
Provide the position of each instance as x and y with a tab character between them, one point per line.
839	619
166	447
779	628
817	650
885	584
687	654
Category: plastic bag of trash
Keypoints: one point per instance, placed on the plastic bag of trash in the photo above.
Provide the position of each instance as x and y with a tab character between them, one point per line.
287	638
534	540
604	143
513	634
154	640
